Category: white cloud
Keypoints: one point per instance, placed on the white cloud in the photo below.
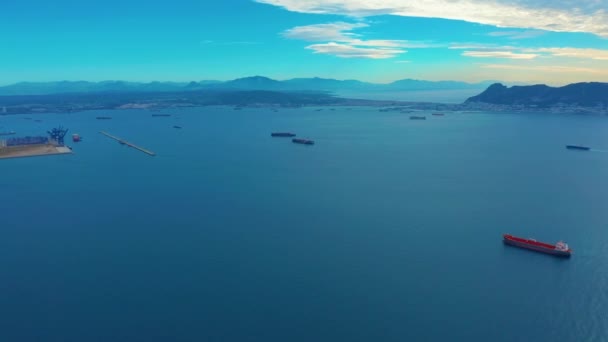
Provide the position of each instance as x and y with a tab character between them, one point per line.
596	54
499	54
338	31
557	15
513	52
379	43
346	50
338	39
517	34
479	46
492	51
342	32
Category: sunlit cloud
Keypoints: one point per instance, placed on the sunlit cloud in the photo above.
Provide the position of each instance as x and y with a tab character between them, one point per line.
350	51
339	40
518	22
517	34
513	52
596	54
560	16
338	31
479	46
499	54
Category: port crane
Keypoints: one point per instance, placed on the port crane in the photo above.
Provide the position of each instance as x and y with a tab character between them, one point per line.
58	134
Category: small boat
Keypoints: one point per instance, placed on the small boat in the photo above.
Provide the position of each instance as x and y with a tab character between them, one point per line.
282	134
438	114
104	118
577	147
417	117
302	141
178	127
161	114
559	249
76	138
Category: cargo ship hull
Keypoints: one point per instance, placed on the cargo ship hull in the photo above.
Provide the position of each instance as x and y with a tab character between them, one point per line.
303	141
576	147
535	246
283	134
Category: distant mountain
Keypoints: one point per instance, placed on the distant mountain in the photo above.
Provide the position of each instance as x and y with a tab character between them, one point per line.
246	83
252	83
581	94
326	84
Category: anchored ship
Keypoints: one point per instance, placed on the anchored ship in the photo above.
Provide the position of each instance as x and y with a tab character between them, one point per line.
282	134
559	249
302	141
577	147
417	117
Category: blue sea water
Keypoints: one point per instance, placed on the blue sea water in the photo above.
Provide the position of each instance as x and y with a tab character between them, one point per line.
386	230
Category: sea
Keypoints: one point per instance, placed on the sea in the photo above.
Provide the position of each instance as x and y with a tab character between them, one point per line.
387	229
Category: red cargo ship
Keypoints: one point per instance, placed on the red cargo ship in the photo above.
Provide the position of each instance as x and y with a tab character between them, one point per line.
559	249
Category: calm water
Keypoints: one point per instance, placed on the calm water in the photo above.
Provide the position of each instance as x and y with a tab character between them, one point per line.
386	230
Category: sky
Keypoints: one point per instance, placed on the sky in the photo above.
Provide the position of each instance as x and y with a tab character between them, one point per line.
530	41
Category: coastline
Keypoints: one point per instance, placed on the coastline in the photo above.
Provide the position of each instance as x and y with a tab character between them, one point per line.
32	151
384	105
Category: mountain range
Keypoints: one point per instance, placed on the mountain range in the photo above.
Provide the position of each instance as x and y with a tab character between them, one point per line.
246	83
261	91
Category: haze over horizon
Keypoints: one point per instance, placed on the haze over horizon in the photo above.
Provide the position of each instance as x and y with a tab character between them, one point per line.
469	40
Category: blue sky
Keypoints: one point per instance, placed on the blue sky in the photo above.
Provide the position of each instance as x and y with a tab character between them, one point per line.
548	41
